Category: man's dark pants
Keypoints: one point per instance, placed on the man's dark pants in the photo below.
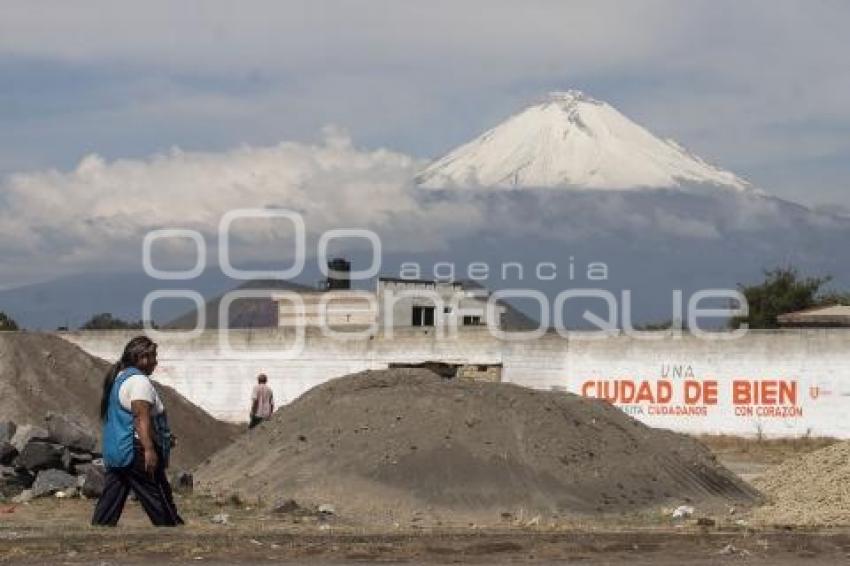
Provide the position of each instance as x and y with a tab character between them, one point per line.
154	493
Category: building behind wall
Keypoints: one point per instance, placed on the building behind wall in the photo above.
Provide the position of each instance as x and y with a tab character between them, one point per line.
828	316
395	302
418	302
337	308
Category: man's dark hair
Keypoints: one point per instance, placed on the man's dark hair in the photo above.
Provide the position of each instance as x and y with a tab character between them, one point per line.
262	378
135	350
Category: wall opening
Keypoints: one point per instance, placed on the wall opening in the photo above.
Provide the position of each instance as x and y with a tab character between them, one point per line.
444	370
423	316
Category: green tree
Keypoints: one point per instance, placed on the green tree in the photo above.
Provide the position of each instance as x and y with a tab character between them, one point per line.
782	291
105	321
834	298
7	323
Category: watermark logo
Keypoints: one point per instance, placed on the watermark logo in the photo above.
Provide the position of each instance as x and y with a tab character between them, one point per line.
438	304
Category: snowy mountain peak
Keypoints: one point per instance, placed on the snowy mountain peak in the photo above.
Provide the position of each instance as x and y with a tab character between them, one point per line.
570	97
572	140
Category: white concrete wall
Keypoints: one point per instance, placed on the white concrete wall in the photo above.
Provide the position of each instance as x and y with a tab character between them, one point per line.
814	364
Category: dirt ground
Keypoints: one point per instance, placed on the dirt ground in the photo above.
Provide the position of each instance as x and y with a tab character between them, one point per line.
56	532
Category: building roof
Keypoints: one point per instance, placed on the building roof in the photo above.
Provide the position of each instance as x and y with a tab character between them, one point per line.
829	315
419	281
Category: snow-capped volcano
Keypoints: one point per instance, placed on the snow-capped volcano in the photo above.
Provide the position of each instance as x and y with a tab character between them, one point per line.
572	140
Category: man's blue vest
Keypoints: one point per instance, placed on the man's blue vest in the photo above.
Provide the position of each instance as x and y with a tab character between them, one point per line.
119	430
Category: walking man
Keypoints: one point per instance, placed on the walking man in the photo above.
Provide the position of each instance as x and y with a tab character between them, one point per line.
136	439
262	401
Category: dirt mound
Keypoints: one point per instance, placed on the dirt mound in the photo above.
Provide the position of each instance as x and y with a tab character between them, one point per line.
811	490
41	373
383	444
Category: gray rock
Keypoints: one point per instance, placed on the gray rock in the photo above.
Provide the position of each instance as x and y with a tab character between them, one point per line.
37	456
7	453
48	482
81	458
82	467
7	472
73	461
81	470
67	465
10	473
93	481
327	509
11	482
183	481
289	507
24	497
25	433
71	432
7	431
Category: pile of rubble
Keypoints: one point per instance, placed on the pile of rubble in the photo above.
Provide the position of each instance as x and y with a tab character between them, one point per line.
407	444
811	490
60	459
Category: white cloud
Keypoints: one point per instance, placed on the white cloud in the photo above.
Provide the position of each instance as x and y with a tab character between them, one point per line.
96	215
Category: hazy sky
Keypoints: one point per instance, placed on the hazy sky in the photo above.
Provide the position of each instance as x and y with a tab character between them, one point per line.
761	88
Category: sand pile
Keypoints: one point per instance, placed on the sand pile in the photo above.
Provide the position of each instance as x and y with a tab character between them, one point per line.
810	490
386	444
40	373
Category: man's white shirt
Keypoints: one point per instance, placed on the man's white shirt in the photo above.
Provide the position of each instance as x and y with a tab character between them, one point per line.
138	387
